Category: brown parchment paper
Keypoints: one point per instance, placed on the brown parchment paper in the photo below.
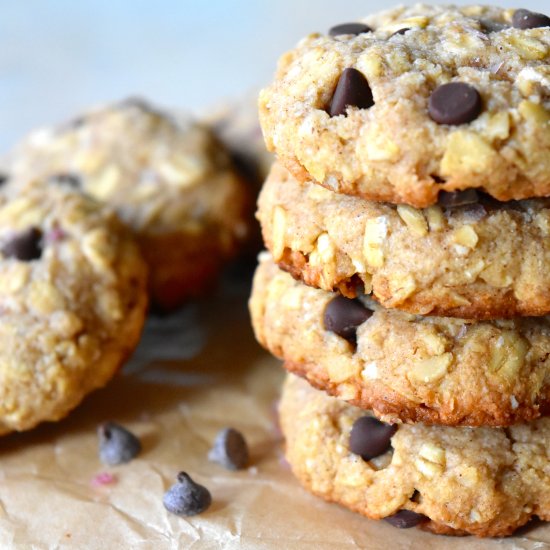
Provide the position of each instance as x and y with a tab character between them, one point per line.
194	373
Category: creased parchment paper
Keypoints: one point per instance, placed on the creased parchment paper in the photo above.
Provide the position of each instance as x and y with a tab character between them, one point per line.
194	373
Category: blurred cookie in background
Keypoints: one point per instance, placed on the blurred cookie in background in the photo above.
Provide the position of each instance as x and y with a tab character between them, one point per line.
168	177
236	124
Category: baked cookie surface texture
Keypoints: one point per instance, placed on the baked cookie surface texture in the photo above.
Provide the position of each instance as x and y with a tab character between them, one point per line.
454	481
73	296
404	367
469	257
415	101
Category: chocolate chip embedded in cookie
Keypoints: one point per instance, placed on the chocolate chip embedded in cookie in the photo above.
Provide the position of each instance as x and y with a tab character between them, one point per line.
481	481
405	519
405	367
73	300
25	245
349	28
468	256
352	90
525	19
168	178
417	100
369	437
342	316
454	103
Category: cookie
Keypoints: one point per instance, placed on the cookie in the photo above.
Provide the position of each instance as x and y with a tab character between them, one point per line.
438	370
237	126
481	481
470	257
169	179
416	101
73	296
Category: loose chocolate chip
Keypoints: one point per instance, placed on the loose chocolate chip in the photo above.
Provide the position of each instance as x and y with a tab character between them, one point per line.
186	498
352	90
369	437
454	199
401	31
454	103
116	444
71	180
342	316
525	19
405	519
3	178
25	246
230	450
349	28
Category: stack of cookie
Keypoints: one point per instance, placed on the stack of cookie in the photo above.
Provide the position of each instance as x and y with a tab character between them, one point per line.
423	315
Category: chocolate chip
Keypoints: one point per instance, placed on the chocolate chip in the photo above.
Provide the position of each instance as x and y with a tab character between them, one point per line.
3	178
352	90
342	316
25	246
230	450
70	180
186	498
454	103
349	28
116	444
74	123
405	519
454	199
134	102
525	19
369	437
473	213
489	25
401	31
490	202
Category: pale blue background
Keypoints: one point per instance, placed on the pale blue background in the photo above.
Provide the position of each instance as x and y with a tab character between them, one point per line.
59	56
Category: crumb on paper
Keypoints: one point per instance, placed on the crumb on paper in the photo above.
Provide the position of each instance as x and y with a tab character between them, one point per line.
102	479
